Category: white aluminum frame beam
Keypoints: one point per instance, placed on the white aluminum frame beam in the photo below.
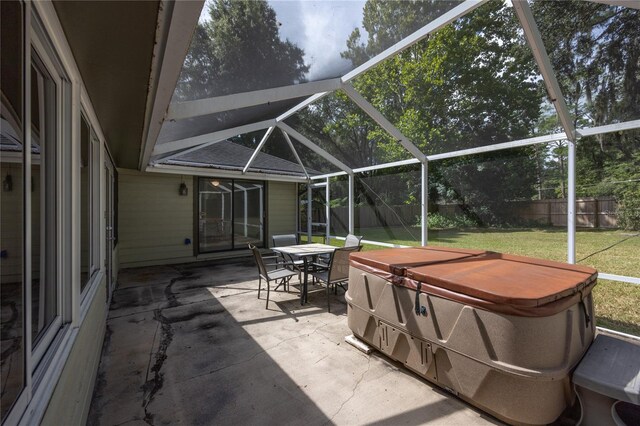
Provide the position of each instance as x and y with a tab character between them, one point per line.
351	206
301	105
207	139
315	148
377	116
219	173
633	4
534	39
327	212
609	128
424	203
258	149
420	34
499	146
188	109
532	34
295	153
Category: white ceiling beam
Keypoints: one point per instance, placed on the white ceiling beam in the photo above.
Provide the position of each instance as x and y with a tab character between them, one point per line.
315	148
175	26
258	149
329	175
609	128
301	105
295	153
209	138
499	146
633	4
408	41
181	110
377	116
532	34
219	173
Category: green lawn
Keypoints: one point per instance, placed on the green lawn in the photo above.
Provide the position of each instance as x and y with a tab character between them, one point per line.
616	252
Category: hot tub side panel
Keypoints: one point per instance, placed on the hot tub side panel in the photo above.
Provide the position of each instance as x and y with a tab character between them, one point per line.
515	367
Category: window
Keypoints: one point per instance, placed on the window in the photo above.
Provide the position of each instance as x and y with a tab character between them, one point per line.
45	119
89	202
12	308
230	214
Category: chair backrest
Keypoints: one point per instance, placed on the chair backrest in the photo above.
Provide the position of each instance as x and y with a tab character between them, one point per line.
352	240
339	263
262	269
285	240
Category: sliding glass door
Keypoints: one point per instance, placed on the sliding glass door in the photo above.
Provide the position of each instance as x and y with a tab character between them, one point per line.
230	214
248	213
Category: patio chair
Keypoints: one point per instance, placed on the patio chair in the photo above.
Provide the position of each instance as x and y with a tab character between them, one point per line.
337	273
281	276
288	240
350	241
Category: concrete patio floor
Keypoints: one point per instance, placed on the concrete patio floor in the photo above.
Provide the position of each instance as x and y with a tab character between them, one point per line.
192	344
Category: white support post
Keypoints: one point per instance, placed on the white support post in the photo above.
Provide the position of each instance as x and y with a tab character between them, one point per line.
351	205
309	212
327	212
571	203
262	212
246	214
258	148
424	191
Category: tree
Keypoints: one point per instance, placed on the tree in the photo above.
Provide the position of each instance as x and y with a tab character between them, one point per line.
239	49
596	56
471	83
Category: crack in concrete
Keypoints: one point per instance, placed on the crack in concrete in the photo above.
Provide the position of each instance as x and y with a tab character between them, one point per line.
152	385
353	391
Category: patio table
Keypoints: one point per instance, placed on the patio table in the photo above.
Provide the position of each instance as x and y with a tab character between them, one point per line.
305	252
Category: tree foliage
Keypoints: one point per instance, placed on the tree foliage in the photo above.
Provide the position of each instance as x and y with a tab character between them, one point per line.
596	56
239	49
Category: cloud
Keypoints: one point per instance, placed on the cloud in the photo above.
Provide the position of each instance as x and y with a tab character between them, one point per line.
321	29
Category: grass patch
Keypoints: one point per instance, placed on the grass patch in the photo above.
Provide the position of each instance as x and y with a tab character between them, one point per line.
617	304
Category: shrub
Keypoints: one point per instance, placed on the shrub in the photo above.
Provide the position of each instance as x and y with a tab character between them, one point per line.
629	212
438	221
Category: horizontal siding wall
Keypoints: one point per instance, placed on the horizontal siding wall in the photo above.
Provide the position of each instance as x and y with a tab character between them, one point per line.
70	402
282	207
153	219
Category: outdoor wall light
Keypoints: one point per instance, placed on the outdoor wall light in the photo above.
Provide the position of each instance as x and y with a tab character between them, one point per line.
183	190
7	183
215	182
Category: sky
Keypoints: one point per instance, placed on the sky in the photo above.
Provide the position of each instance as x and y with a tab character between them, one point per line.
321	29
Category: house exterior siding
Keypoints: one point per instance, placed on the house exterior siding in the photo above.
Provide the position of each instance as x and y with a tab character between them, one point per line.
282	204
154	220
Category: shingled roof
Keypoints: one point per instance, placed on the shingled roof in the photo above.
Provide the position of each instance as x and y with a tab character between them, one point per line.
227	155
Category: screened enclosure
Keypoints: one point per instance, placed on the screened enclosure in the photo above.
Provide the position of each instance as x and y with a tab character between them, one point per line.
504	125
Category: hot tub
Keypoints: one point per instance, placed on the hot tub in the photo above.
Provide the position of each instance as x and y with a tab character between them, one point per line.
501	332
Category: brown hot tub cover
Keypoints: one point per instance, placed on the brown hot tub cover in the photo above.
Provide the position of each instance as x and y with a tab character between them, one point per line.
488	280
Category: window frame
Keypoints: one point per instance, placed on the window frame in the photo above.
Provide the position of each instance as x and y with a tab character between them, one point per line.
94	195
45	56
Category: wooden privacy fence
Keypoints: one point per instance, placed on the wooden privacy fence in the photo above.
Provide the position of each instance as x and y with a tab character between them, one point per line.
590	213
